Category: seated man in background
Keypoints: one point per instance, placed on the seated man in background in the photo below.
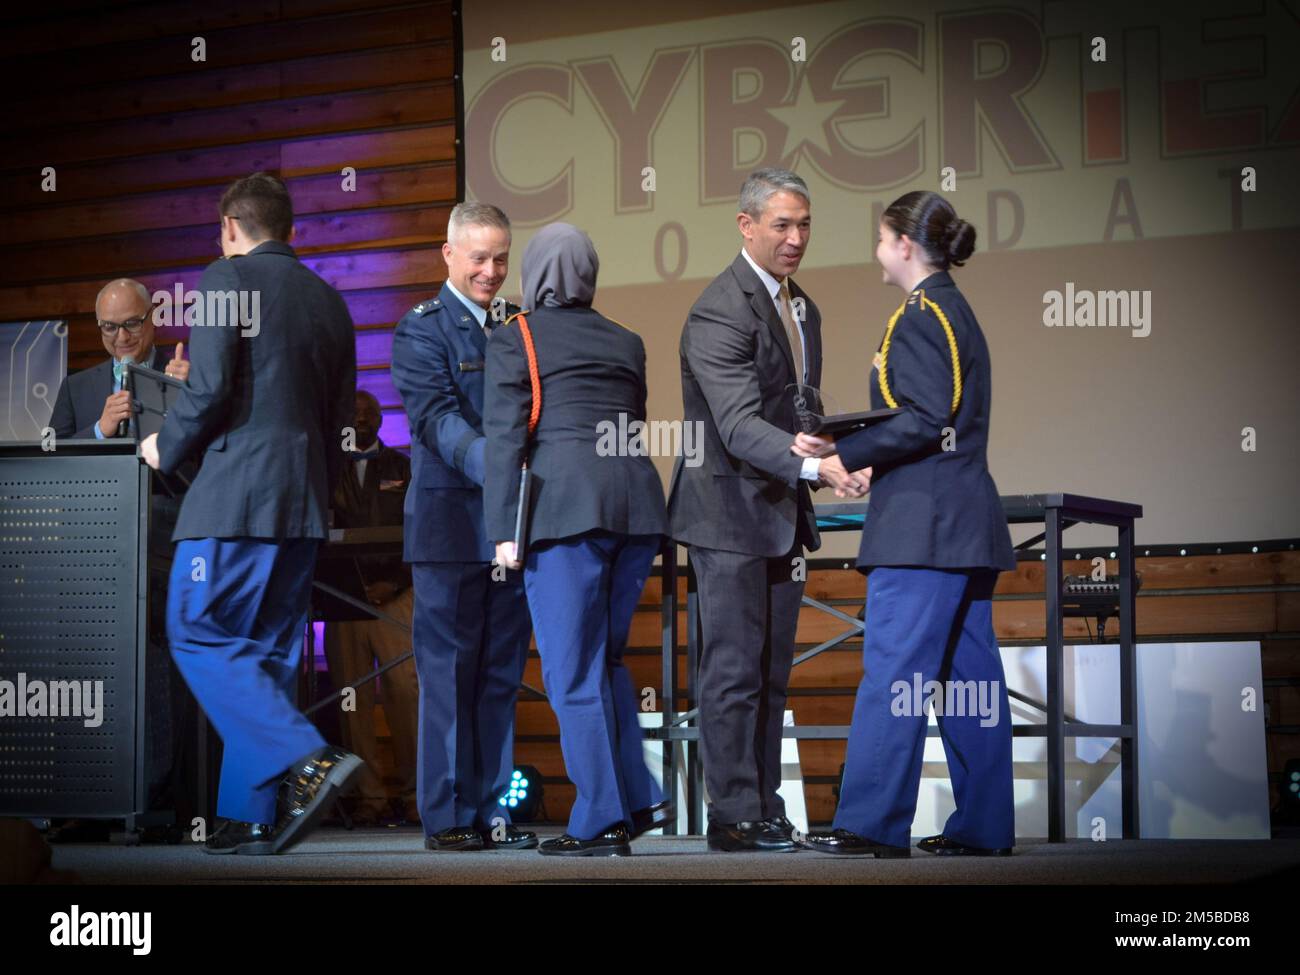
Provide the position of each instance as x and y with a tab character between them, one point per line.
369	494
92	403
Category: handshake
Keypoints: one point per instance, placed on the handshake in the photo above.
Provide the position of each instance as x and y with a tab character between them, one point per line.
831	473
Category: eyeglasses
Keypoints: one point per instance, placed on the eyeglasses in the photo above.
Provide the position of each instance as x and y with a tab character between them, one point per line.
132	325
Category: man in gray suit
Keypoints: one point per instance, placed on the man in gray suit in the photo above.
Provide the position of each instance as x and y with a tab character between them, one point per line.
93	402
746	512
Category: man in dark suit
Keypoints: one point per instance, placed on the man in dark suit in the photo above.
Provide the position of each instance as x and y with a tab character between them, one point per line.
369	494
471	626
92	403
746	513
266	407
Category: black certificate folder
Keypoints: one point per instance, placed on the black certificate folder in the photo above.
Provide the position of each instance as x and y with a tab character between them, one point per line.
152	395
848	422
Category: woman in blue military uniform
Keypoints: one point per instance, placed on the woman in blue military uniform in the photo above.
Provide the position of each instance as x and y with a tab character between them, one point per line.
934	541
596	522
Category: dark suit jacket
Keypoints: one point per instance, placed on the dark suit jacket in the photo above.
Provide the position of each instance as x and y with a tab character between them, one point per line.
374	503
439	354
747	495
928	506
592	369
265	411
80	402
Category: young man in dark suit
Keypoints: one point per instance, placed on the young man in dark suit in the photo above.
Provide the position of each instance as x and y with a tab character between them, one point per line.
92	403
745	512
471	620
269	397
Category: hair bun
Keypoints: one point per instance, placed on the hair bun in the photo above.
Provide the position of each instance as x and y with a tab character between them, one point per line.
958	241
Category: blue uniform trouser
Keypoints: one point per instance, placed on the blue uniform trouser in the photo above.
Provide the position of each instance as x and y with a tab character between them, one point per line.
583	592
929	625
236	609
470	635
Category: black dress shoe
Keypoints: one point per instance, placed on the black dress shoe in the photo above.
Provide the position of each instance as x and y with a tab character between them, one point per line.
248	839
847	843
309	790
942	846
652	817
515	839
81	831
759	836
455	839
613	842
781	825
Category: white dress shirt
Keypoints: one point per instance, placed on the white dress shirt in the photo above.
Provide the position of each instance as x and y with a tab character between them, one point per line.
477	310
811	465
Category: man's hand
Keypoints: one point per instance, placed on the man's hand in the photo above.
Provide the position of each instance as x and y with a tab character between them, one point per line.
117	407
378	593
846	485
149	450
506	555
178	367
864	478
806	445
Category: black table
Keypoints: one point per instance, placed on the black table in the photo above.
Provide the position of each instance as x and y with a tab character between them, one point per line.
1056	512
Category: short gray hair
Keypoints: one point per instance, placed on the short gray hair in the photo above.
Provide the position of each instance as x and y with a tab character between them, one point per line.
763	183
132	283
470	214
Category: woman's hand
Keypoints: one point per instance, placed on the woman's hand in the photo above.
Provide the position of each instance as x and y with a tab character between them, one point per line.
806	445
507	556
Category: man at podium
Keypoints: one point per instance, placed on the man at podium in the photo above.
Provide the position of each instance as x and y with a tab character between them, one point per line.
92	403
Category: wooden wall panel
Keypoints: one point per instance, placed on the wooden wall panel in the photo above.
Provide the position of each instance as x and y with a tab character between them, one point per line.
143	141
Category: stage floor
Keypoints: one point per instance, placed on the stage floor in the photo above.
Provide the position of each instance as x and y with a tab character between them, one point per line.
397	856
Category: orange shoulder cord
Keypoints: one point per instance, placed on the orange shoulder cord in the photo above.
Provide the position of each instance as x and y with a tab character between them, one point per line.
534	377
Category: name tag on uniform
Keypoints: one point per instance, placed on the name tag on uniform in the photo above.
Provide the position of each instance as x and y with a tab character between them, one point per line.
472	366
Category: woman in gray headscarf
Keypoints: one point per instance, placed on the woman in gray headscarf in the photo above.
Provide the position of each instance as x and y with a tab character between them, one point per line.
596	519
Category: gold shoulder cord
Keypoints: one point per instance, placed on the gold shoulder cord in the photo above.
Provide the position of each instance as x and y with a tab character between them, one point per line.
952	348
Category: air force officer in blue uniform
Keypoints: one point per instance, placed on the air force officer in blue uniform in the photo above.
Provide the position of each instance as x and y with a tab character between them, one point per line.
933	544
471	625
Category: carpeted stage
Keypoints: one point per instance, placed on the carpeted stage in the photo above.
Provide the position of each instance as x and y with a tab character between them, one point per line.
397	856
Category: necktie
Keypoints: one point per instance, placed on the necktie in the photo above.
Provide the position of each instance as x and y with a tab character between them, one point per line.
792	333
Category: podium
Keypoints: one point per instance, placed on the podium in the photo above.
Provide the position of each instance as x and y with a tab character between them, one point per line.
73	630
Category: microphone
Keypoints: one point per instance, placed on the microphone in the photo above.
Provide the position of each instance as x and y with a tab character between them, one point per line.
121	380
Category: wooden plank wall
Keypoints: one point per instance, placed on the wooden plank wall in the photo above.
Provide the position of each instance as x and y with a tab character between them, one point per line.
143	140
